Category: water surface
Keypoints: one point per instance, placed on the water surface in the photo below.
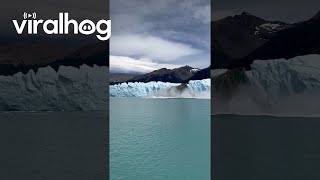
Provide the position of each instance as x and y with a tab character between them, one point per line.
265	147
159	139
54	145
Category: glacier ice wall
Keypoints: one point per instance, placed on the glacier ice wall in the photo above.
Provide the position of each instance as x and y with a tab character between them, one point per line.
68	89
158	89
281	77
200	85
274	87
137	89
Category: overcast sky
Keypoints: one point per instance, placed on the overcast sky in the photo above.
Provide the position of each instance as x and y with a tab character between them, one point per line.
153	34
290	11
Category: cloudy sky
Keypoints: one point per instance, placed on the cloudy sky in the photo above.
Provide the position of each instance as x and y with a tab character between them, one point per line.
290	11
153	34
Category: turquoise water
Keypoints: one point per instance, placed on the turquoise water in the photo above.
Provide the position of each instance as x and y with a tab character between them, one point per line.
159	139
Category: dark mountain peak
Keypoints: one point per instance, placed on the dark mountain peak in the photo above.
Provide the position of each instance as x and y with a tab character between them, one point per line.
236	36
245	13
161	69
188	68
298	40
248	19
201	74
316	17
176	75
20	56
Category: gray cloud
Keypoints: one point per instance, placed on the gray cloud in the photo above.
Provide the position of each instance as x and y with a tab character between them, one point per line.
130	65
150	47
180	29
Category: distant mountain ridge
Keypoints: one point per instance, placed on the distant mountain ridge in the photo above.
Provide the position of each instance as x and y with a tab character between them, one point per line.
234	37
178	75
165	75
302	39
240	39
24	57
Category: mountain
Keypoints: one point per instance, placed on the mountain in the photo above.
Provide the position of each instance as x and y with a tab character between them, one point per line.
235	37
302	39
176	75
90	54
201	74
29	53
22	57
183	74
316	17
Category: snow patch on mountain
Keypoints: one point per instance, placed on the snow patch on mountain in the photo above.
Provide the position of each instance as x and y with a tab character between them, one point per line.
270	28
192	71
68	89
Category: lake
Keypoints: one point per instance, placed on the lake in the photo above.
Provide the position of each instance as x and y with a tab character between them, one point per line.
54	145
265	147
159	139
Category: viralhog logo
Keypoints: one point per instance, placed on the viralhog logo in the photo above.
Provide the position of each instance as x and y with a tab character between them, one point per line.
61	26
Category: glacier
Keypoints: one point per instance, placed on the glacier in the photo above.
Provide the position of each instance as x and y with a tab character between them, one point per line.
68	89
282	77
160	89
74	89
272	87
